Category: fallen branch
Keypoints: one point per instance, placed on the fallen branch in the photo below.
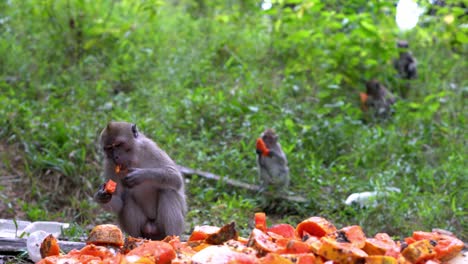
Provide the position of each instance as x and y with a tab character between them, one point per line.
235	183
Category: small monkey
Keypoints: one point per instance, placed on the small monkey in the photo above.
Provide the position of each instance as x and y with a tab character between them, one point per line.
377	100
406	63
149	200
272	164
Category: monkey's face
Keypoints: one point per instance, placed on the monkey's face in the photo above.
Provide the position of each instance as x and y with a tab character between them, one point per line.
269	137
402	44
117	141
373	88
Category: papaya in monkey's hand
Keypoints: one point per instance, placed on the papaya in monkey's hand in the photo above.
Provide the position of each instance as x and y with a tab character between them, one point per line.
110	186
261	147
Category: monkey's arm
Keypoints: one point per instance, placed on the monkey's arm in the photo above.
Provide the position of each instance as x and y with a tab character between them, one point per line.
166	177
277	157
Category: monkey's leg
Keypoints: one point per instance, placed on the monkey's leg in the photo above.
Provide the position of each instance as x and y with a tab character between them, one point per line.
171	213
132	218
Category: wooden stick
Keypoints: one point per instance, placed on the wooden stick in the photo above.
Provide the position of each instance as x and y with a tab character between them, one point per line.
250	187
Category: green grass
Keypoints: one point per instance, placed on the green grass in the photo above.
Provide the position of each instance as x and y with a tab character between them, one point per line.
205	86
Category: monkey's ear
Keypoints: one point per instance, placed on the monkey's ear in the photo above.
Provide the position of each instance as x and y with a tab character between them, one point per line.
134	130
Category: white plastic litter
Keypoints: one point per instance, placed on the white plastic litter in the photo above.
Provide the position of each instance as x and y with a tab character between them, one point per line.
33	244
369	199
35	233
10	229
54	228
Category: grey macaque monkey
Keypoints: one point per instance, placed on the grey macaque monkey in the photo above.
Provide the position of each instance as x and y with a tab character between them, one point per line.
272	164
149	199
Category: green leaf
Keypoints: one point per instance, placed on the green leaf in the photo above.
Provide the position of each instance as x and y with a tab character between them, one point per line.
368	26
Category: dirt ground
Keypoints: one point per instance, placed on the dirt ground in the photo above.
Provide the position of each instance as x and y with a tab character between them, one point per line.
11	181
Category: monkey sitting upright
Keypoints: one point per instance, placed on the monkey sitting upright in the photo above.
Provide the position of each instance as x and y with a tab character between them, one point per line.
149	200
272	164
377	101
406	63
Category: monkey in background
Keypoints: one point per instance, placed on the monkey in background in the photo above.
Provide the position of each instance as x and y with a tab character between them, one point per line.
377	100
149	200
405	66
406	63
272	164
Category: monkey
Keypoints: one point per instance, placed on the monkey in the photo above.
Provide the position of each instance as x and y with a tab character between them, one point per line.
377	100
272	165
406	63
149	200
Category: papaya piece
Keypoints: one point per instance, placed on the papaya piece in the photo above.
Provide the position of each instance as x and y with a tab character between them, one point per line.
183	251
378	245
419	251
240	247
202	232
224	234
50	260
314	243
133	259
243	240
181	248
131	243
261	146
92	251
110	186
320	260
306	258
222	254
118	168
340	252
260	221
363	97
420	235
351	234
200	246
159	251
49	247
293	246
381	260
262	242
395	253
106	234
315	226
446	246
409	240
284	230
274	258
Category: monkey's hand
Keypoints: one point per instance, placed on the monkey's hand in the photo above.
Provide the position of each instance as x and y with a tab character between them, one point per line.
134	177
101	196
272	153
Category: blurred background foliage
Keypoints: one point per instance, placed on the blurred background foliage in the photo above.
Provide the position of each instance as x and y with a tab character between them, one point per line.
205	78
